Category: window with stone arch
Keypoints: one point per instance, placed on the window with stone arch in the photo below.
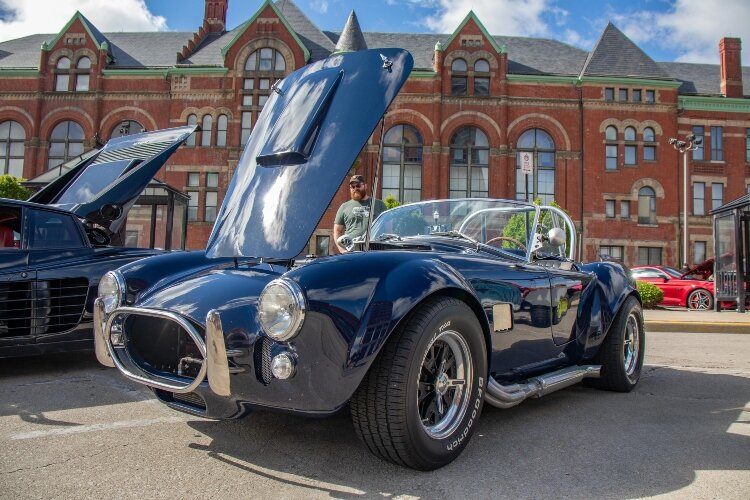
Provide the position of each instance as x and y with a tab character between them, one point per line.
65	143
62	75
540	183
469	168
262	69
481	77
402	163
82	74
206	127
631	148
649	144
192	119
12	138
126	127
646	205
221	131
459	77
610	138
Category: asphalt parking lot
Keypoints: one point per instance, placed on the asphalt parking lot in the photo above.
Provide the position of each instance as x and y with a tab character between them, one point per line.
72	429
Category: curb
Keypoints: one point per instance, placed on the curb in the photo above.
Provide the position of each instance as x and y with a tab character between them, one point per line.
697	327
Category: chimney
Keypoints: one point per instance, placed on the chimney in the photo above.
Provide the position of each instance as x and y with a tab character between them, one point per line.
731	67
215	17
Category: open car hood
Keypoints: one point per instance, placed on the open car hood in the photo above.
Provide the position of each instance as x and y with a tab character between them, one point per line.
306	139
103	188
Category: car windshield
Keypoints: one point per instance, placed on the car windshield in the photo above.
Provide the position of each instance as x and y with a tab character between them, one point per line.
500	223
672	272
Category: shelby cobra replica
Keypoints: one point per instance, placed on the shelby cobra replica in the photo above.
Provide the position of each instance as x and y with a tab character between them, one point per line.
446	305
55	247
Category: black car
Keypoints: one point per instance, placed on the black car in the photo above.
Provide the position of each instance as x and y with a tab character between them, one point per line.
55	247
445	305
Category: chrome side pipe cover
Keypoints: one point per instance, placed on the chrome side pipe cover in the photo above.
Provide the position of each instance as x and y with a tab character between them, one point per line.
101	347
507	396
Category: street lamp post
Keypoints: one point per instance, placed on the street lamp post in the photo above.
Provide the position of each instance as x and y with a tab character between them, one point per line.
691	143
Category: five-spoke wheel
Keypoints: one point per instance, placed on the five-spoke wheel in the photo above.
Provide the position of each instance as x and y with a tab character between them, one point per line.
700	299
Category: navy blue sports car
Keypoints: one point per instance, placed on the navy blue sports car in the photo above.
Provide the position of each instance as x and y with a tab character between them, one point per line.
55	247
445	305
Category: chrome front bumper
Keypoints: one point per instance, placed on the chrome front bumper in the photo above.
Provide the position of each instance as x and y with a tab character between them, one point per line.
215	363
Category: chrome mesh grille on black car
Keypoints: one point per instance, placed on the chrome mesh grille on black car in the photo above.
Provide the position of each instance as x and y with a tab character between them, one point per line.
41	307
262	360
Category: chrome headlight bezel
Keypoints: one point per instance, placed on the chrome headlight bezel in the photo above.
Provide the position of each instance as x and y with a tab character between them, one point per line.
281	309
112	292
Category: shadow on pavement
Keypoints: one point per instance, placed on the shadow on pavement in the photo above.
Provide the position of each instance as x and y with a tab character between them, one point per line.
579	442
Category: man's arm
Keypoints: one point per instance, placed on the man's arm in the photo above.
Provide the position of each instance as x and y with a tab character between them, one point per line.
338	231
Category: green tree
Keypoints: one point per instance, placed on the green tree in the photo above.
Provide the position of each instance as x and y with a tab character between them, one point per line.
10	187
391	202
518	224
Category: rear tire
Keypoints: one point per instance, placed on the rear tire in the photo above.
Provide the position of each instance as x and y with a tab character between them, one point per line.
420	401
621	354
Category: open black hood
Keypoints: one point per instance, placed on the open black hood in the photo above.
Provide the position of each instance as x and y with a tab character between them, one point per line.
306	139
103	188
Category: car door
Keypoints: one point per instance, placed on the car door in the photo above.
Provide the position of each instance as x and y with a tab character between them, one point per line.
59	254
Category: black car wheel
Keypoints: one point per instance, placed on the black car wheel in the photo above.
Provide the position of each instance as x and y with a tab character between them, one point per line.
700	299
621	354
420	401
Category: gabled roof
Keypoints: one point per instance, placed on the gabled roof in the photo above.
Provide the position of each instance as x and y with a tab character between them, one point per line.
616	55
98	38
351	39
319	44
473	17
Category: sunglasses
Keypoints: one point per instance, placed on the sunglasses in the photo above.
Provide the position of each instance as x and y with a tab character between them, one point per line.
356	185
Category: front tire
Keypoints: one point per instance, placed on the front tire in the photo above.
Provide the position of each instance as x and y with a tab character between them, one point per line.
621	354
700	300
420	401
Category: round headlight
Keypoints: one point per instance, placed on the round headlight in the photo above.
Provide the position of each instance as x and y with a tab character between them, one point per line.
281	310
111	290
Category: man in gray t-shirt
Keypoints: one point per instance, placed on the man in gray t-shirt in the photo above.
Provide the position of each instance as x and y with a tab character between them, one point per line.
353	216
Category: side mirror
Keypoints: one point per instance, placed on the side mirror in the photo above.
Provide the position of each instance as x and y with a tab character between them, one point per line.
556	237
665	279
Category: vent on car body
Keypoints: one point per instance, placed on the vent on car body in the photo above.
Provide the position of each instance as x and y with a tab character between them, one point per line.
140	151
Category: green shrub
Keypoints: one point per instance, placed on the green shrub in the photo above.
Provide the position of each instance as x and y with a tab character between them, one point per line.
651	295
391	202
10	187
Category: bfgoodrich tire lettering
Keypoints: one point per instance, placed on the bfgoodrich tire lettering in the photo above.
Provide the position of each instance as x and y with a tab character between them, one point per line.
420	402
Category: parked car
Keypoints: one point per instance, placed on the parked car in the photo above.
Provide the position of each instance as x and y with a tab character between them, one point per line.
689	289
445	305
55	247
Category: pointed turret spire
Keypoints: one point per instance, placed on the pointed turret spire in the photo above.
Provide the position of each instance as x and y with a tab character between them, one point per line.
351	39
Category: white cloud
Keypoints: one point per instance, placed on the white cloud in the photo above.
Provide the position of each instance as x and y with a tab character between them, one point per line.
500	17
320	5
24	17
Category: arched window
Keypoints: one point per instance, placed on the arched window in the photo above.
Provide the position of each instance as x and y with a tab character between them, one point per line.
646	206
631	149
459	77
541	182
610	136
66	142
12	137
127	127
470	158
481	77
262	69
62	75
221	131
402	164
649	144
206	130
83	68
191	120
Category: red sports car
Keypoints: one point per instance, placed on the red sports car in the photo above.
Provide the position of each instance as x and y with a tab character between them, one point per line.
692	289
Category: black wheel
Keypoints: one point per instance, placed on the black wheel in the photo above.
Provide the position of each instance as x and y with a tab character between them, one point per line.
621	354
700	299
420	401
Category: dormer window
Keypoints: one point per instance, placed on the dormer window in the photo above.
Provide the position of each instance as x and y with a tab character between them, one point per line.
458	77
62	74
83	68
482	77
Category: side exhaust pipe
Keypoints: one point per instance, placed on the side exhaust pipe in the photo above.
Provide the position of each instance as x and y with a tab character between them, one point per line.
507	396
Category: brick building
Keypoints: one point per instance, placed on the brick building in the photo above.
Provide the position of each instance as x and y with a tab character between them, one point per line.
596	124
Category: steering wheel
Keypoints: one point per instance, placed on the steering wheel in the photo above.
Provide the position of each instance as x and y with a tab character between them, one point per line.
508	238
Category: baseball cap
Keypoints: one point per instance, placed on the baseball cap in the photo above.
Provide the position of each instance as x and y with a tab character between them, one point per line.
357	178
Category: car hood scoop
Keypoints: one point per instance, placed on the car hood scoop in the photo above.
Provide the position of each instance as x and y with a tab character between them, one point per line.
103	188
306	139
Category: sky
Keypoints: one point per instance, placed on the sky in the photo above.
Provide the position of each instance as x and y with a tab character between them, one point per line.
667	30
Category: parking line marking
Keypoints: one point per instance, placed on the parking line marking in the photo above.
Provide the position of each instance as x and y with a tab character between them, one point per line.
124	424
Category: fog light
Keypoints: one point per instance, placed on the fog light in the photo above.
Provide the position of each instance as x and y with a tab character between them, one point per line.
115	336
282	366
